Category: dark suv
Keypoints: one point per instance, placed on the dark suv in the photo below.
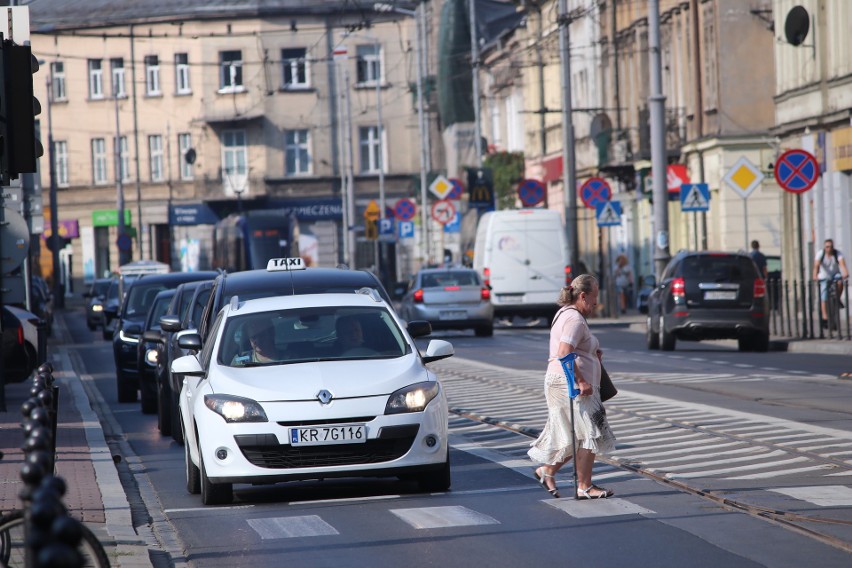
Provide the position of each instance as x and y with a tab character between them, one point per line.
709	295
129	320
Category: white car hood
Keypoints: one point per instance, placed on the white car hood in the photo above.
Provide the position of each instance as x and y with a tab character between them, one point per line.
302	381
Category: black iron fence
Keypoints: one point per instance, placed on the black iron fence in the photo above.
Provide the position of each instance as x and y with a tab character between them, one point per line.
815	309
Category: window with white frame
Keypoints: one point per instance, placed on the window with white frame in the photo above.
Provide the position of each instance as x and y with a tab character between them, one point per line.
60	150
57	74
369	58
119	88
96	79
234	153
297	153
184	146
99	161
230	71
182	74
295	68
152	75
123	157
155	156
370	144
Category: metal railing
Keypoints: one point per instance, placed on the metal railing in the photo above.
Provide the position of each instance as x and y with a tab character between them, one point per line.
796	309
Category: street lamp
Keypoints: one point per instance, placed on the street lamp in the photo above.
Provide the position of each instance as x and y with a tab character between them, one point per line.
421	121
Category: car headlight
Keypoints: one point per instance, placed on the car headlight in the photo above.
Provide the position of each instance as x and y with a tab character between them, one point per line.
412	398
97	308
235	408
127	338
151	357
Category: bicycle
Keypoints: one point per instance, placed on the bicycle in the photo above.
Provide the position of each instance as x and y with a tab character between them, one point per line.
13	551
833	304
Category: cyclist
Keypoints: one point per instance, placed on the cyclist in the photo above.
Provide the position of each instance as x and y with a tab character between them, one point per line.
829	266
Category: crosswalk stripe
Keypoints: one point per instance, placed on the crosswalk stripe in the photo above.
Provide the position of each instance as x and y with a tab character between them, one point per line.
443	517
291	527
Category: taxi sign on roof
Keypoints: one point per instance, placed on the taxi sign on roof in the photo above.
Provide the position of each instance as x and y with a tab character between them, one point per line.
278	264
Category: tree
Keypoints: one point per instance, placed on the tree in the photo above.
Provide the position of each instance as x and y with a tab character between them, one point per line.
508	170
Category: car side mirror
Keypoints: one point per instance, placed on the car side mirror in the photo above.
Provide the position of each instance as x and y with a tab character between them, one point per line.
187	365
111	311
170	322
438	349
419	328
190	341
399	290
152	336
133	329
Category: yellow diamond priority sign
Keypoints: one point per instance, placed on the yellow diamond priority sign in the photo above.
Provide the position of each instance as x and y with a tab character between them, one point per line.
441	187
744	177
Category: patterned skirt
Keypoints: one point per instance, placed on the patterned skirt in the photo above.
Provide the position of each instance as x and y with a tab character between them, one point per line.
591	429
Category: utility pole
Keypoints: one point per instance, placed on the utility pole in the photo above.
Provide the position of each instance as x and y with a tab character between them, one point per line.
58	292
136	142
474	64
419	14
350	175
569	169
656	103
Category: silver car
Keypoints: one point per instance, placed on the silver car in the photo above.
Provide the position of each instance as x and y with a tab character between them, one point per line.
449	298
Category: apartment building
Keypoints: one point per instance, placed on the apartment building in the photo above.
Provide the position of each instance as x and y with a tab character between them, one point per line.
190	111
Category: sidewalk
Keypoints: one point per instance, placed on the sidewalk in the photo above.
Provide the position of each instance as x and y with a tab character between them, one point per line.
95	495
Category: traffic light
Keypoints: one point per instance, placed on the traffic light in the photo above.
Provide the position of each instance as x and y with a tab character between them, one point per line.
19	147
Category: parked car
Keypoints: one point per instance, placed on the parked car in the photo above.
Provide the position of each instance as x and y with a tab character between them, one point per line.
146	351
19	343
312	406
96	297
42	302
709	295
183	314
646	286
129	319
449	298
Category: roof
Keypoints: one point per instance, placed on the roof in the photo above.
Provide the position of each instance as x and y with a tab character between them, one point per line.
50	15
260	305
175	278
320	280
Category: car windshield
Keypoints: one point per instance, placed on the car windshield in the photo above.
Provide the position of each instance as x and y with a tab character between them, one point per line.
158	310
140	297
452	278
310	334
100	287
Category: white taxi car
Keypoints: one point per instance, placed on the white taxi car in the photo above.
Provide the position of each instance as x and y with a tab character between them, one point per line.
311	387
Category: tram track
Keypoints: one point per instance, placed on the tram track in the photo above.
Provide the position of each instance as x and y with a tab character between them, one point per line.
515	387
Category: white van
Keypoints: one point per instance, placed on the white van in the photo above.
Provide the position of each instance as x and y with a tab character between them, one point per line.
523	256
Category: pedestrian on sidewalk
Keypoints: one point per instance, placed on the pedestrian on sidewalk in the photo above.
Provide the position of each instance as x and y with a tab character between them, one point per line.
570	333
759	259
623	276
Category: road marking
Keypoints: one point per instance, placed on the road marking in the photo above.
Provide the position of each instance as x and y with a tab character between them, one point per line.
291	527
592	508
207	509
722	471
822	496
443	517
770	474
348	500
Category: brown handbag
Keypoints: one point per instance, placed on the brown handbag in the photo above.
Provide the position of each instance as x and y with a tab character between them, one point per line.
608	389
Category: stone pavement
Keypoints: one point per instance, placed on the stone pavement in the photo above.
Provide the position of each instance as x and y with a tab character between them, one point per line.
95	493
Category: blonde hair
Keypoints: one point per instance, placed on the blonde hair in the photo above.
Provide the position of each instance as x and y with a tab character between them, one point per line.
582	283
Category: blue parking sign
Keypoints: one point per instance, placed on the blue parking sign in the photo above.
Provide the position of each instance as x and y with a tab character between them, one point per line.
406	229
454	226
386	226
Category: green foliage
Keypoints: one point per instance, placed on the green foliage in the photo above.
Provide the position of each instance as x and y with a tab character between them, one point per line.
508	169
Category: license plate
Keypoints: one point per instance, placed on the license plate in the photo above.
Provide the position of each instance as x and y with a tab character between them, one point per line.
515	299
453	315
720	295
325	435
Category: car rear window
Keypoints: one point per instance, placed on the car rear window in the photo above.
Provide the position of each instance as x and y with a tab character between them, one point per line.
718	268
442	279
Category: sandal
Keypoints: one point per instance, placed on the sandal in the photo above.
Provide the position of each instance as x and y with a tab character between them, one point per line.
541	480
584	493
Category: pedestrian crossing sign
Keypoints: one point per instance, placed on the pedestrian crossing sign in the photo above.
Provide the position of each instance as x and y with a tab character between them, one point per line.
694	197
608	214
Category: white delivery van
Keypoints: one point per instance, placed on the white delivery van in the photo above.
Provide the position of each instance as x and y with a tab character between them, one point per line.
523	256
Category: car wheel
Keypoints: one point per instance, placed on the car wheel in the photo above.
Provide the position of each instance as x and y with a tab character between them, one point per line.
760	342
213	493
126	388
744	343
435	481
485	330
651	337
148	392
177	423
667	340
164	410
193	476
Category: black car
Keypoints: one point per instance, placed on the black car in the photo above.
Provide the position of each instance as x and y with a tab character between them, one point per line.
146	351
252	284
709	295
96	297
19	355
183	314
129	319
